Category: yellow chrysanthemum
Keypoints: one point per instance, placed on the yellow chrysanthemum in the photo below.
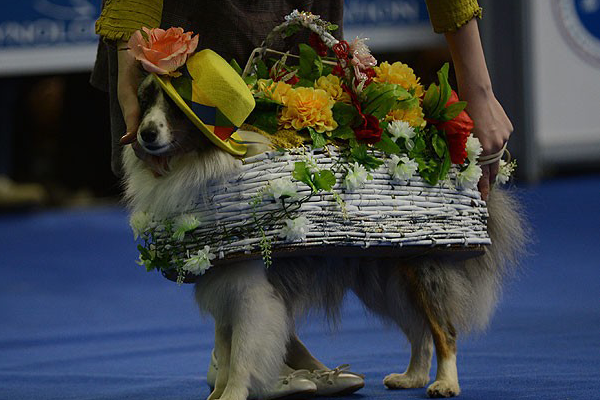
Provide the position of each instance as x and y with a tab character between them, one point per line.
400	74
276	91
413	116
308	107
332	85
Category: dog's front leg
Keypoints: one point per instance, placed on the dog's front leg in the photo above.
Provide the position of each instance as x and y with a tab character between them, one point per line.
223	354
260	331
417	373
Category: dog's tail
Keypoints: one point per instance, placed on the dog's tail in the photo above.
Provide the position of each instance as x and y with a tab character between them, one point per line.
466	293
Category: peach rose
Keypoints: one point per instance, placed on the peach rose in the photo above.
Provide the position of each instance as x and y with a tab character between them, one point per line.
162	52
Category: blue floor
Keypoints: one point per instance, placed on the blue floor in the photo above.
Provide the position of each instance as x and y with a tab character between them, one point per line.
80	320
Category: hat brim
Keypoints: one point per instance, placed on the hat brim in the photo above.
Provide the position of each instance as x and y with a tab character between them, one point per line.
230	146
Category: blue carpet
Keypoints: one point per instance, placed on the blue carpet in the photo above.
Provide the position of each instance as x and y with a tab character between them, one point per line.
80	320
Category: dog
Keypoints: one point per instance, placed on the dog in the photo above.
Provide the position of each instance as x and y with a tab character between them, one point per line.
431	300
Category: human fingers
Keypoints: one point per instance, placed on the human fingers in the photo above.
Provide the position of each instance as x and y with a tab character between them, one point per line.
484	182
128	80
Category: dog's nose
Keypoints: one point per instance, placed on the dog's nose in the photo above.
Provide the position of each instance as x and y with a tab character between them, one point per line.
149	135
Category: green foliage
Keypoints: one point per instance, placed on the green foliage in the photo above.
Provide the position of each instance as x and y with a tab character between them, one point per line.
387	145
320	180
344	114
262	72
318	139
343	132
311	66
234	64
380	98
359	154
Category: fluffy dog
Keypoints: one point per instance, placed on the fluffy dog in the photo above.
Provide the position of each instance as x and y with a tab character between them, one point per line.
430	300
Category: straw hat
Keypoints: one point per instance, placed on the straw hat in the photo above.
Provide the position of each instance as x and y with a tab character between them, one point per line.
214	97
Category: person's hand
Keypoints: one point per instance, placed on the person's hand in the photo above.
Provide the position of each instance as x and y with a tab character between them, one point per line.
492	128
492	125
128	80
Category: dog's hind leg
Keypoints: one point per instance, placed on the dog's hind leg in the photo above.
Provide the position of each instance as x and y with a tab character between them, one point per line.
223	354
443	333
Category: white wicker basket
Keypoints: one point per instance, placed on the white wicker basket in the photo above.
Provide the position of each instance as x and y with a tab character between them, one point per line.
383	218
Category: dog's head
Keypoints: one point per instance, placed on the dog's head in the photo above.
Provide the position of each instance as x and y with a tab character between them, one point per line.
164	130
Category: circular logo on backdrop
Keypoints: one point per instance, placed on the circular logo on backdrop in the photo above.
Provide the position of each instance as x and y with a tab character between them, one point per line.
579	21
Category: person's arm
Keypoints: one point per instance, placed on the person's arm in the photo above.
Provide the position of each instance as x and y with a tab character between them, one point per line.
118	20
492	125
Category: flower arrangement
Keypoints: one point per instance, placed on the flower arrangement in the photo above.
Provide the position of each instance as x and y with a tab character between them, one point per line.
376	116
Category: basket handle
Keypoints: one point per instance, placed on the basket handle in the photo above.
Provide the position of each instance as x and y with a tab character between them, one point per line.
299	19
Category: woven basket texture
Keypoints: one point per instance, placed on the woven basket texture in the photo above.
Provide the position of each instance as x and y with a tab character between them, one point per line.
383	213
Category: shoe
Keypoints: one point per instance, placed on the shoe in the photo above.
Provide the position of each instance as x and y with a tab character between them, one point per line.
336	382
295	385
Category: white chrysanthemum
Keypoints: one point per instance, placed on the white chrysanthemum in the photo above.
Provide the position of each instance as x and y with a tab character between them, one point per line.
140	222
282	187
505	171
199	262
356	177
183	224
295	229
402	129
468	178
401	168
474	148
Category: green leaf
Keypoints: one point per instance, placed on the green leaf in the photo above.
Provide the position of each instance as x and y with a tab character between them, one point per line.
419	146
234	64
265	120
262	72
344	114
324	180
311	65
332	27
453	110
303	82
343	132
302	174
431	101
318	139
445	89
359	154
439	145
446	164
387	145
250	80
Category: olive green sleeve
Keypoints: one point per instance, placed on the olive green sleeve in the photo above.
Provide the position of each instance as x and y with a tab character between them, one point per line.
449	15
120	18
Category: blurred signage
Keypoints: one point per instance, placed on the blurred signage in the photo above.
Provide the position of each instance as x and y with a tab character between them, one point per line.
389	24
580	25
47	35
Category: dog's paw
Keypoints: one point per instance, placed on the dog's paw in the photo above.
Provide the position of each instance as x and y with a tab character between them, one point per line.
405	381
443	388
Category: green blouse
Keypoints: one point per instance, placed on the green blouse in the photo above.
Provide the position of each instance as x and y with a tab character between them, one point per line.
120	18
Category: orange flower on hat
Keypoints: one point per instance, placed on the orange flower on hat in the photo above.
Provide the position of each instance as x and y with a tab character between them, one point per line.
308	107
162	51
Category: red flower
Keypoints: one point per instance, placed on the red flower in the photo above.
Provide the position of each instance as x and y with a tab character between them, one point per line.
338	71
369	131
293	80
317	43
457	132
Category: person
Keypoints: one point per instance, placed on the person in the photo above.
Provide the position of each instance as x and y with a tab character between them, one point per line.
233	28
